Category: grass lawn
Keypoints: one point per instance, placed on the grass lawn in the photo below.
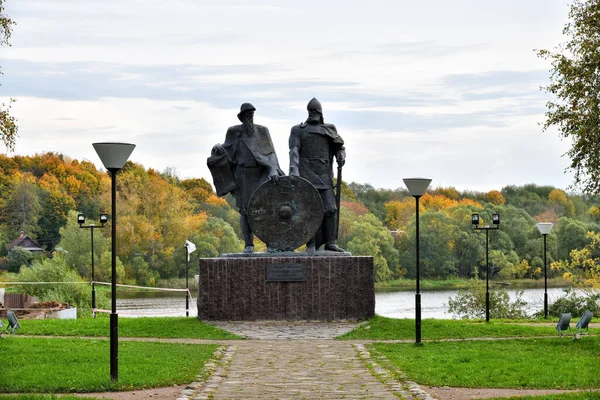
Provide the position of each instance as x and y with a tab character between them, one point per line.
41	397
563	396
165	327
42	365
382	328
549	363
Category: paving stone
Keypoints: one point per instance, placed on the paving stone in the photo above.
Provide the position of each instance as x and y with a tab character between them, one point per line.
297	360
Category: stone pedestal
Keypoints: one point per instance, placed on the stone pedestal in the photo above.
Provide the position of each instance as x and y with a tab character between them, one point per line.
324	288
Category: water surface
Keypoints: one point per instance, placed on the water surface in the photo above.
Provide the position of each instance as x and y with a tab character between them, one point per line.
393	304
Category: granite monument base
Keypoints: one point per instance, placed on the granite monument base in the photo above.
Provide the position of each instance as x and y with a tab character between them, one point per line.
323	288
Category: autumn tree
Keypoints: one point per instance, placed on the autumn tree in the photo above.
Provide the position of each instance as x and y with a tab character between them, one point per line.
594	213
437	202
575	109
547	216
495	197
198	189
559	201
8	124
583	268
449	192
399	212
355	207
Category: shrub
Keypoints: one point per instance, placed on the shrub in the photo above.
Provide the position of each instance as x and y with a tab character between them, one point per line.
57	270
575	302
470	303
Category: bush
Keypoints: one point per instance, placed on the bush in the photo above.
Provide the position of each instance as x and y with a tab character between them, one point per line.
17	258
56	270
470	303
575	302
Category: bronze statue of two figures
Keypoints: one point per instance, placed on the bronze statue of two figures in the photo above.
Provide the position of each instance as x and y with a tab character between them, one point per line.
285	212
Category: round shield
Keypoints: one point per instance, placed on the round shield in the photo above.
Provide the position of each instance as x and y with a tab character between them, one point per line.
286	214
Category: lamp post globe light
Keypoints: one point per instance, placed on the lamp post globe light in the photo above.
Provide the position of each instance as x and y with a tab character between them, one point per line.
487	228
81	222
114	156
417	188
545	228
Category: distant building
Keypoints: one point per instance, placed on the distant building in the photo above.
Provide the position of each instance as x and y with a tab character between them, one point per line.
27	243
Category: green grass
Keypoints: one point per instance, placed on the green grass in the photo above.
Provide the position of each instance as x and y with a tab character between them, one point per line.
451	284
40	397
172	327
425	284
563	396
382	328
519	363
83	365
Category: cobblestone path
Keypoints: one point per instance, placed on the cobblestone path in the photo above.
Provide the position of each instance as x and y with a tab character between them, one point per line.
294	369
290	360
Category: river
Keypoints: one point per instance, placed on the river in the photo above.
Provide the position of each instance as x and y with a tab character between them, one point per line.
394	304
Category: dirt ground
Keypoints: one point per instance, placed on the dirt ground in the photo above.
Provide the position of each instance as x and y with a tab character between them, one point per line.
440	393
446	393
169	393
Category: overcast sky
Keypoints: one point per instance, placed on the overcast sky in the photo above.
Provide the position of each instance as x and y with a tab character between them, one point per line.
447	90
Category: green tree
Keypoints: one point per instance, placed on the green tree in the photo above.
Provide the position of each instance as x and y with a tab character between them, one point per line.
575	109
103	270
18	257
212	238
8	124
23	209
571	234
468	246
370	238
437	240
76	243
139	270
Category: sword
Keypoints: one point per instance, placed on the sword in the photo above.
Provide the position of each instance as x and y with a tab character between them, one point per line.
338	197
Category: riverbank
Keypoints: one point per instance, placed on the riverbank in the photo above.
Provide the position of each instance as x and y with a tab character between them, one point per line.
456	284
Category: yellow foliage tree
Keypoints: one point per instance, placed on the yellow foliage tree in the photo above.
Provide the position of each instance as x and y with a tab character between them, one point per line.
583	269
594	213
398	213
560	202
495	197
437	202
470	202
449	192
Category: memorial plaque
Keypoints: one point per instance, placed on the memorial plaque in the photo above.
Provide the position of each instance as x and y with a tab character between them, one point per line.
290	272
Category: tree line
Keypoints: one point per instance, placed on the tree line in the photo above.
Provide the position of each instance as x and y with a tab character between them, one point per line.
41	196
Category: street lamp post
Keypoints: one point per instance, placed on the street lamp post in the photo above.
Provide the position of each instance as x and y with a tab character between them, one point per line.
545	228
189	249
495	225
417	188
91	227
114	156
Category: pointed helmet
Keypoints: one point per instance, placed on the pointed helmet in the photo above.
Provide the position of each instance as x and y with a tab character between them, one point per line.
314	104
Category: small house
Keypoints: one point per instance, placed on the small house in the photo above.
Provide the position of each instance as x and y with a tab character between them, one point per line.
27	243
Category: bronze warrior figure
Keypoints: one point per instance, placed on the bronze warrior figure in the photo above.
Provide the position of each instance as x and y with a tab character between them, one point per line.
252	159
313	144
